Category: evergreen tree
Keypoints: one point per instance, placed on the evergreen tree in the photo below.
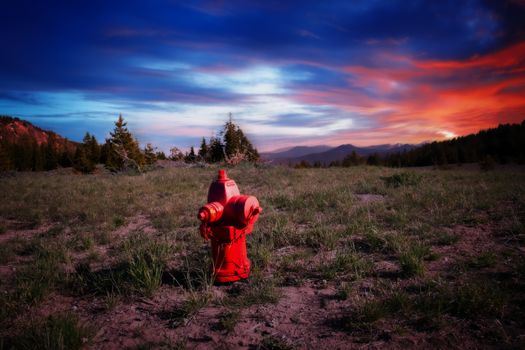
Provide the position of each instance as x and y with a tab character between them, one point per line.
232	140
161	155
351	160
51	156
65	159
236	144
38	157
91	148
124	151
216	150
190	157
82	162
373	159
104	152
150	156
5	157
23	154
204	151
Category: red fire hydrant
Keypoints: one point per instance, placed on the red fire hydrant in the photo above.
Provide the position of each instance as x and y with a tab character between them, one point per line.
226	220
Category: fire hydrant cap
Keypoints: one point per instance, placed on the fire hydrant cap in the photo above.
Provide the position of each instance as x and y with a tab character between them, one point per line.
222	175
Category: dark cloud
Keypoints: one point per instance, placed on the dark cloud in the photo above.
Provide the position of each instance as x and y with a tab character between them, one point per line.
22	97
142	55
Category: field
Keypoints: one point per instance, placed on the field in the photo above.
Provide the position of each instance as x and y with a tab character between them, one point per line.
342	258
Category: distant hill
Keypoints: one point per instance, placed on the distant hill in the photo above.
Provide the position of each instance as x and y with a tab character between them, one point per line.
503	144
16	131
294	152
326	155
24	146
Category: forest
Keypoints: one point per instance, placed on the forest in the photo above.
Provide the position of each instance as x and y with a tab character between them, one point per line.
121	151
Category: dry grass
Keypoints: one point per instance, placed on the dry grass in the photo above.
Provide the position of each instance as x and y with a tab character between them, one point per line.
436	252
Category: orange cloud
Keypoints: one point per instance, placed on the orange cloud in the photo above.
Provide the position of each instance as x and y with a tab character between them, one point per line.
413	100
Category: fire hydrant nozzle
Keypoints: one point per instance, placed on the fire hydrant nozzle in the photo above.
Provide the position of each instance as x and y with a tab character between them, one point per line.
226	220
211	212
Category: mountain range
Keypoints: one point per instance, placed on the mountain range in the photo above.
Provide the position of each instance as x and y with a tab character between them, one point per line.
326	154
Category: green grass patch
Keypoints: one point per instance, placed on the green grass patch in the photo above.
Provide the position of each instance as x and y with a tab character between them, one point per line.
184	314
228	320
446	238
411	259
140	270
402	179
258	289
57	332
348	263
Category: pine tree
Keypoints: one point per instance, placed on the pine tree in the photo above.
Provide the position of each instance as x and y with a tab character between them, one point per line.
5	157
50	156
38	157
104	152
82	162
232	140
91	148
161	155
149	154
124	151
237	145
216	150
190	157
66	159
373	159
23	154
351	159
204	151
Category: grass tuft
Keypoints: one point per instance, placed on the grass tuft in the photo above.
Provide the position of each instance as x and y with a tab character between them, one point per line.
184	314
402	179
228	320
349	263
411	260
57	332
487	259
140	270
258	290
275	343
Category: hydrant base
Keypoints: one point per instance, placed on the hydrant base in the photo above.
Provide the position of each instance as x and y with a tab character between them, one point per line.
232	278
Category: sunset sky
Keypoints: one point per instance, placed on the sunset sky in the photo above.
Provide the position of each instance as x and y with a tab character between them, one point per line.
292	72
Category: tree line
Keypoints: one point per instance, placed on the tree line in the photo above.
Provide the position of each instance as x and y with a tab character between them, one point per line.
121	151
503	144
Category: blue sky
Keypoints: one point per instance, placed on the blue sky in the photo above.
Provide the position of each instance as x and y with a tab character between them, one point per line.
291	72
